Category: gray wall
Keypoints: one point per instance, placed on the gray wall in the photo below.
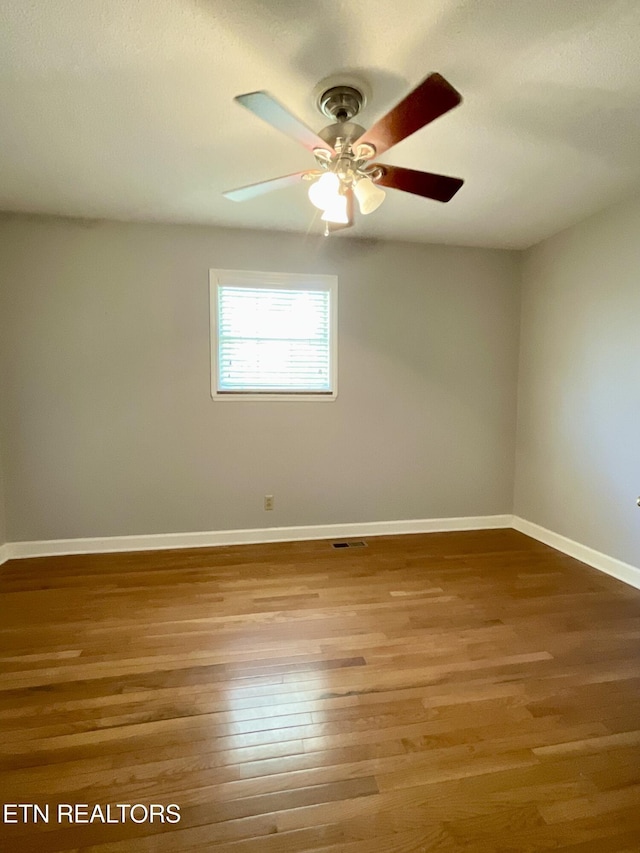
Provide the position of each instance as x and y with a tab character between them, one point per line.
109	427
3	520
578	449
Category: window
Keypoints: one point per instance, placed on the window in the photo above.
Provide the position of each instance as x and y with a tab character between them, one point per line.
273	335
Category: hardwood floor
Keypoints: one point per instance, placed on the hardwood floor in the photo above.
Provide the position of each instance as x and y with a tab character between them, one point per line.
453	692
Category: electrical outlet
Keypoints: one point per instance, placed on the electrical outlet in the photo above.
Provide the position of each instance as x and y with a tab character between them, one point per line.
268	501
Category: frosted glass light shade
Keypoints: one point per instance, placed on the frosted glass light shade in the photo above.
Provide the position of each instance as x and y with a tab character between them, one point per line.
337	212
323	192
369	196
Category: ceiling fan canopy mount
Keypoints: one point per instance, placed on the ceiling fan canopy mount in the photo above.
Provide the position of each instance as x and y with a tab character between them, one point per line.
344	151
341	103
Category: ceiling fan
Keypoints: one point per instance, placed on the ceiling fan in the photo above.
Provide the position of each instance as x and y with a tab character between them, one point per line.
345	151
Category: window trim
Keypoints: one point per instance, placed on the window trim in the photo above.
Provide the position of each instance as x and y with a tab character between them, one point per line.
273	280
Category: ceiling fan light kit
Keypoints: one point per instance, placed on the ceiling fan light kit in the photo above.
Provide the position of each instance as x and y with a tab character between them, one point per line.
344	151
369	196
337	212
323	191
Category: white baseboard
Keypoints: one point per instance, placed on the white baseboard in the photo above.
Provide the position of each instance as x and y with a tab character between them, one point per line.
596	559
153	542
160	541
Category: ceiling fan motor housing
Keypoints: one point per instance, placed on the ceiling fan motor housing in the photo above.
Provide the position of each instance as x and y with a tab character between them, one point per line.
348	131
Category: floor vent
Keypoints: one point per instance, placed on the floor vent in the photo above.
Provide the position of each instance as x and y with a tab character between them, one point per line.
349	544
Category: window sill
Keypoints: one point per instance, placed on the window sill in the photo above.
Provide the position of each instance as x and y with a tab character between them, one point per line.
274	397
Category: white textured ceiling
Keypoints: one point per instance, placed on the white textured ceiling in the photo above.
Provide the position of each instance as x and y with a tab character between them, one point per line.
124	108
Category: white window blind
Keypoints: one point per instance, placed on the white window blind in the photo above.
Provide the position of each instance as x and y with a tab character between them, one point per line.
273	340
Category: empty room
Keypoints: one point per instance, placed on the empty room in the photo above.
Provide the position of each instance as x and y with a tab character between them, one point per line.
319	426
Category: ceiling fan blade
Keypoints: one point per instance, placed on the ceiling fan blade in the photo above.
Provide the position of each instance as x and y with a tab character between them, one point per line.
268	109
432	98
426	184
253	190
